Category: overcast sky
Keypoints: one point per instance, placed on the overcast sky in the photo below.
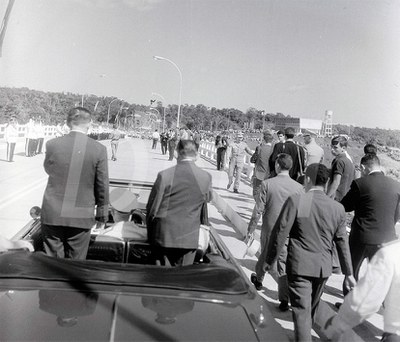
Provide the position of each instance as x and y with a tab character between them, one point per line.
295	57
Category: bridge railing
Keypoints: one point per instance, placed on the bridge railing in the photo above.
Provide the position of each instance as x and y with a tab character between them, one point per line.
49	131
208	151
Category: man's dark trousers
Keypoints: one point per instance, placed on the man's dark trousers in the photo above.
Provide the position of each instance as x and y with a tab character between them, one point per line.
66	242
305	293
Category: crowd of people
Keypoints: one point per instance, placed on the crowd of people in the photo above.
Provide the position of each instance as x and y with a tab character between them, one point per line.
302	204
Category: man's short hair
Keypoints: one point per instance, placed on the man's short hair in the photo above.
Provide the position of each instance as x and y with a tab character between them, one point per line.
340	139
370	149
284	161
290	132
318	173
267	137
280	132
78	116
187	149
370	160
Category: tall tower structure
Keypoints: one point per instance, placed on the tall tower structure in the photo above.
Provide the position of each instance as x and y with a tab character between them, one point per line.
327	124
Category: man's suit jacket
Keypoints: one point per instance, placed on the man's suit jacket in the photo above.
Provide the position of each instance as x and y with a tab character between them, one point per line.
261	167
312	221
174	205
375	200
273	194
292	149
78	181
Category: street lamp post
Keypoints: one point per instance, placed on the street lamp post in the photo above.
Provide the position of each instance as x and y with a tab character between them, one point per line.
163	99
158	120
263	121
109	106
158	58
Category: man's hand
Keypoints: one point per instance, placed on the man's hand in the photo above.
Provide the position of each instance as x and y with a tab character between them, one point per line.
248	237
267	267
100	225
330	332
349	282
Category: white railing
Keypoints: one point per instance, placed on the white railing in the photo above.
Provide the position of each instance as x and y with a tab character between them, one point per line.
208	151
49	131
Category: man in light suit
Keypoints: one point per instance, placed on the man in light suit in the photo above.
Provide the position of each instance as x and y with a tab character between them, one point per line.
375	199
312	221
175	205
272	196
77	186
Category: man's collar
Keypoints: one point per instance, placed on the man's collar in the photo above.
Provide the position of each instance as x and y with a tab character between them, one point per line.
78	130
375	171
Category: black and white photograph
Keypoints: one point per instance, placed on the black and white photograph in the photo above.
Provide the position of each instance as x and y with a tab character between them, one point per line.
200	170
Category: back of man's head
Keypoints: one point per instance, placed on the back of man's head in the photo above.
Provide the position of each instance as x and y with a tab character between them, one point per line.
284	161
187	149
267	137
370	149
318	174
341	140
78	116
289	132
371	161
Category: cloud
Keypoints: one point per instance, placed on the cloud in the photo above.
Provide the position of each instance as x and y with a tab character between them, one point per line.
297	87
140	5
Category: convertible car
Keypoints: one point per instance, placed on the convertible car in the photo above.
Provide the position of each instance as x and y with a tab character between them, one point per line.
120	294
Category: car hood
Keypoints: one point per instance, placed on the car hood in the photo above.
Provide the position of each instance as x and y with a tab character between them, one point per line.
49	299
59	315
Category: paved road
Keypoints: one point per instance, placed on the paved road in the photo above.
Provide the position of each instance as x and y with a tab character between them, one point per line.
22	185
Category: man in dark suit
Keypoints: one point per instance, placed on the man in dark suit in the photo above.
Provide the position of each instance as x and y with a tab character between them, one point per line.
77	185
312	221
375	200
261	166
175	205
291	148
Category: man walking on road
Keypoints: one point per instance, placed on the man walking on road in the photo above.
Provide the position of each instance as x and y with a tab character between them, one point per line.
342	169
11	136
273	194
261	166
156	137
238	150
312	221
375	199
172	139
314	152
294	150
77	186
115	137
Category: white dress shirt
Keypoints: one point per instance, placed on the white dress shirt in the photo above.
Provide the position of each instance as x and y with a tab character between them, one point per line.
381	283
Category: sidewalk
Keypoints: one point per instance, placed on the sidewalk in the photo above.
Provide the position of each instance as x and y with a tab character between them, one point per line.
238	208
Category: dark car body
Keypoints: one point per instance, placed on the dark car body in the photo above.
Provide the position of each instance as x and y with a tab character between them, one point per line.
118	294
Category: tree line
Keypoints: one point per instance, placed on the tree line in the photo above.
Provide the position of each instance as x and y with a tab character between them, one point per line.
51	107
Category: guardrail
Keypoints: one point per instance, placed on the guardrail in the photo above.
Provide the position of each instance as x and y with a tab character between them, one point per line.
208	151
49	131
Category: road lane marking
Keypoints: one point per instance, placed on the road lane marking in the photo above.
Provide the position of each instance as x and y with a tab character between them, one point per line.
22	192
